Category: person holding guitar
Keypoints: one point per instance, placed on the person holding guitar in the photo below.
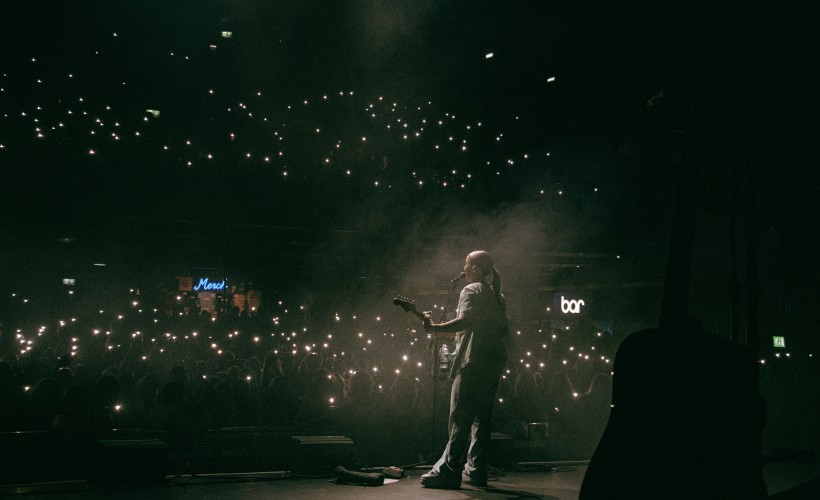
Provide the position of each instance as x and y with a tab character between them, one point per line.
479	330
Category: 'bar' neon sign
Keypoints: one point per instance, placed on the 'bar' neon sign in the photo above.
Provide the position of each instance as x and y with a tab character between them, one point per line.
571	306
205	284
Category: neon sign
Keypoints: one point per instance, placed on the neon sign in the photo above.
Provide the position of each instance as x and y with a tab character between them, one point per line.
205	284
571	306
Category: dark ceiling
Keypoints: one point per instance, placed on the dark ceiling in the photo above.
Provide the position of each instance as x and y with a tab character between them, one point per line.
565	154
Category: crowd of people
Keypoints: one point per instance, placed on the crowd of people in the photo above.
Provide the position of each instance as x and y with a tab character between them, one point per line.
190	373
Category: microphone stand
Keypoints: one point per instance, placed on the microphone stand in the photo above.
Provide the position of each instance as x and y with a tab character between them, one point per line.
444	310
435	347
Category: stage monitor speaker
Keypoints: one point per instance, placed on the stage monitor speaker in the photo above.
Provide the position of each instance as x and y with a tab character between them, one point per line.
501	450
129	461
320	455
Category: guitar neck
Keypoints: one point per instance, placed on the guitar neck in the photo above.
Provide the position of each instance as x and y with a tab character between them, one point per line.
416	314
408	306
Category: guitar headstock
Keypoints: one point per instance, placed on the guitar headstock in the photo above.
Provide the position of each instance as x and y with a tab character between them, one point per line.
409	305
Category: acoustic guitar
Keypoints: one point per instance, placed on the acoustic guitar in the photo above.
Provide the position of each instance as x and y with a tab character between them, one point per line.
686	412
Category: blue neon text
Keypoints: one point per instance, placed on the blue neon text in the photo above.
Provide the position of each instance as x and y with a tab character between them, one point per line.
204	284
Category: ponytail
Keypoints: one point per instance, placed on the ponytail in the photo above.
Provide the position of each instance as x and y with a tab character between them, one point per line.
497	287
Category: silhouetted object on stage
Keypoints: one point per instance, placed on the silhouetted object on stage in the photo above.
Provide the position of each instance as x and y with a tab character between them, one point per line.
362	478
685	422
502	449
316	455
686	412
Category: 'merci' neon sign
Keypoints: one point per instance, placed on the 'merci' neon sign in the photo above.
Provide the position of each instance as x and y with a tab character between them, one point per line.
205	284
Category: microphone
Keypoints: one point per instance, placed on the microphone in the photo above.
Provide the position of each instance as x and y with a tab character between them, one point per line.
458	278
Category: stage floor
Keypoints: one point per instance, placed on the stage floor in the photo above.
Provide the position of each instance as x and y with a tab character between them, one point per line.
559	481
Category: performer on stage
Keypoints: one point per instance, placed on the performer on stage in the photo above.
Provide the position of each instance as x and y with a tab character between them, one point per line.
479	330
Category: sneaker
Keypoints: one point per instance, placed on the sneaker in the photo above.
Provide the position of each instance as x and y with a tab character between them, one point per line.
437	479
475	478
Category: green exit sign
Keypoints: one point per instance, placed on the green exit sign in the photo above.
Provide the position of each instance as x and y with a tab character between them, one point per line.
779	341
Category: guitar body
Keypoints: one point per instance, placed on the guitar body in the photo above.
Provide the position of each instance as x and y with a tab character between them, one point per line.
686	410
685	422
